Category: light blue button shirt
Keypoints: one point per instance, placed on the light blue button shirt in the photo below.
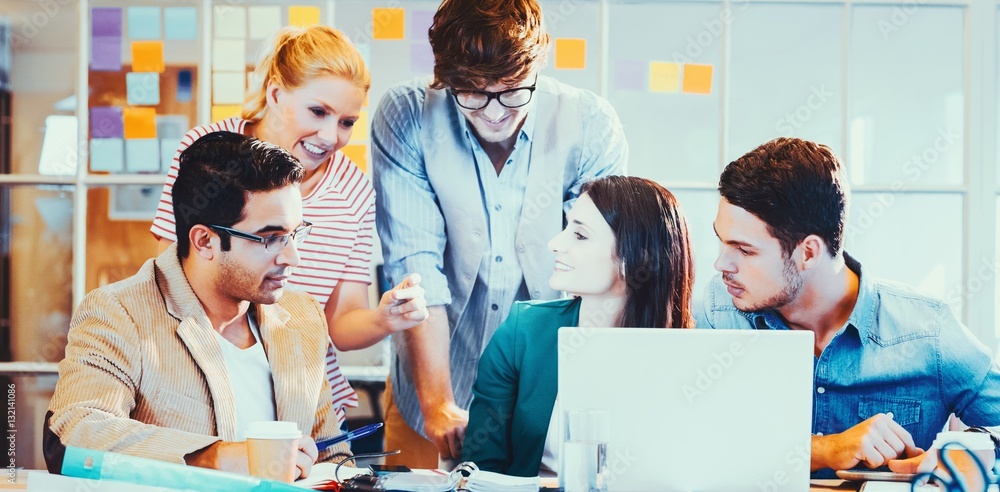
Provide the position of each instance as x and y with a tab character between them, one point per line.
479	240
900	352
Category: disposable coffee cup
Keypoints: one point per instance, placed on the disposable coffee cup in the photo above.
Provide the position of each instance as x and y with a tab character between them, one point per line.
272	448
962	450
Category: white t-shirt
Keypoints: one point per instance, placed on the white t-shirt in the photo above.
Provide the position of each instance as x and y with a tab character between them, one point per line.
250	379
550	452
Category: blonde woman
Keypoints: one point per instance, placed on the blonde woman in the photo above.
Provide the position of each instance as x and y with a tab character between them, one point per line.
308	89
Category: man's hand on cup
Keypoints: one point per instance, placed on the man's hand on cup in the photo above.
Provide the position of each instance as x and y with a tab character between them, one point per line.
873	443
306	456
445	427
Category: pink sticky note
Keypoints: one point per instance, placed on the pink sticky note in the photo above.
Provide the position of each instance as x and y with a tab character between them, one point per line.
420	22
421	58
631	75
106	21
106	53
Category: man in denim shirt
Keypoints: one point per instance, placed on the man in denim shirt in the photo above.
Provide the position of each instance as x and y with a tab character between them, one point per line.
891	365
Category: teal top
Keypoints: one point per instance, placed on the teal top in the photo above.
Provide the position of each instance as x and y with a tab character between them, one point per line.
516	388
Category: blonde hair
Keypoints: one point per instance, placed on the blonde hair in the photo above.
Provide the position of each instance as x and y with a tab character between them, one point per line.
294	55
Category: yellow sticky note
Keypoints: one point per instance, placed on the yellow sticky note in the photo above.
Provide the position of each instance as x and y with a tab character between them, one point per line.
228	88
357	153
139	122
571	54
664	77
303	16
224	111
388	23
147	56
360	130
697	79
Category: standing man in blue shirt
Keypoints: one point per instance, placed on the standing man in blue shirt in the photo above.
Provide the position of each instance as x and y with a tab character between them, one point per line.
891	365
473	171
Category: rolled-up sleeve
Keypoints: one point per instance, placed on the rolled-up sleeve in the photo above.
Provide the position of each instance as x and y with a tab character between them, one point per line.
407	217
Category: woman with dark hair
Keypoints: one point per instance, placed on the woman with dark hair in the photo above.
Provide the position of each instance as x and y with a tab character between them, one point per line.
626	258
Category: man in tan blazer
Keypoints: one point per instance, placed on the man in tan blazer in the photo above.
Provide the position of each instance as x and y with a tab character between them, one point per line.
172	363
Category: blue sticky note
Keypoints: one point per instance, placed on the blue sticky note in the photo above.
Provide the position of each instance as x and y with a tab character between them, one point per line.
366	53
142	155
185	88
180	23
144	23
168	147
107	154
143	88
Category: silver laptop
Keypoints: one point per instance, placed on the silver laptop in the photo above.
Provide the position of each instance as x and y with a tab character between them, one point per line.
695	410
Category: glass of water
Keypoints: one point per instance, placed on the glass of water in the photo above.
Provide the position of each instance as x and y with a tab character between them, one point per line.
583	461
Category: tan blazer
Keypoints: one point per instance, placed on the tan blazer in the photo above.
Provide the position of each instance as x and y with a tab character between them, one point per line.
144	374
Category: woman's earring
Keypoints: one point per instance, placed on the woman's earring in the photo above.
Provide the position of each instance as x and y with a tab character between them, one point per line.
622	272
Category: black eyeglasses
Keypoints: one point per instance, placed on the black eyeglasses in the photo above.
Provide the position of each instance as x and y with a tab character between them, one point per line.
510	98
272	244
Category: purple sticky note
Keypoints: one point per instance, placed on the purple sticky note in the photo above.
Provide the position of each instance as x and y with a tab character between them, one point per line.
631	75
420	22
106	21
106	53
106	122
421	58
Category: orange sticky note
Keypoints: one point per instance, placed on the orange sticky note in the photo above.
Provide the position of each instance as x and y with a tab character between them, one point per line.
147	56
664	77
697	79
357	153
388	23
360	130
571	54
303	16
224	111
139	122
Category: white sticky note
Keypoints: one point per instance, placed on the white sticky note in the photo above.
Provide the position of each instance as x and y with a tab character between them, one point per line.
229	55
168	147
228	88
264	21
230	22
142	155
143	88
107	154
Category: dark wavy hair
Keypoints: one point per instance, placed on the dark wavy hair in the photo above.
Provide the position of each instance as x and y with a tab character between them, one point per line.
653	245
478	43
798	188
216	176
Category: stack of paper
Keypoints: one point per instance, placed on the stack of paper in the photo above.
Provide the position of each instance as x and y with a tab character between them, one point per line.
484	481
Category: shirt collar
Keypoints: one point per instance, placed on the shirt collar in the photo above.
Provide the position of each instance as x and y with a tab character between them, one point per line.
862	316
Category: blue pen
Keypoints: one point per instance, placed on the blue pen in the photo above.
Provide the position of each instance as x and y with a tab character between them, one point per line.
350	436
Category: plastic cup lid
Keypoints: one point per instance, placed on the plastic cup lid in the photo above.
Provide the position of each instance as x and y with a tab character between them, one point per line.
971	440
273	430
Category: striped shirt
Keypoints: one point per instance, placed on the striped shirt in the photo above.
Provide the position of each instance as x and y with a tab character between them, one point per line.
339	248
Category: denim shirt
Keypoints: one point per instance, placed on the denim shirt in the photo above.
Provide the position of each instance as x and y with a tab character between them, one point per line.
900	352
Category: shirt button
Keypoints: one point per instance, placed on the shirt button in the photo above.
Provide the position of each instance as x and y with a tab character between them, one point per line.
494	307
498	207
821	390
819	433
499	259
535	294
520	248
